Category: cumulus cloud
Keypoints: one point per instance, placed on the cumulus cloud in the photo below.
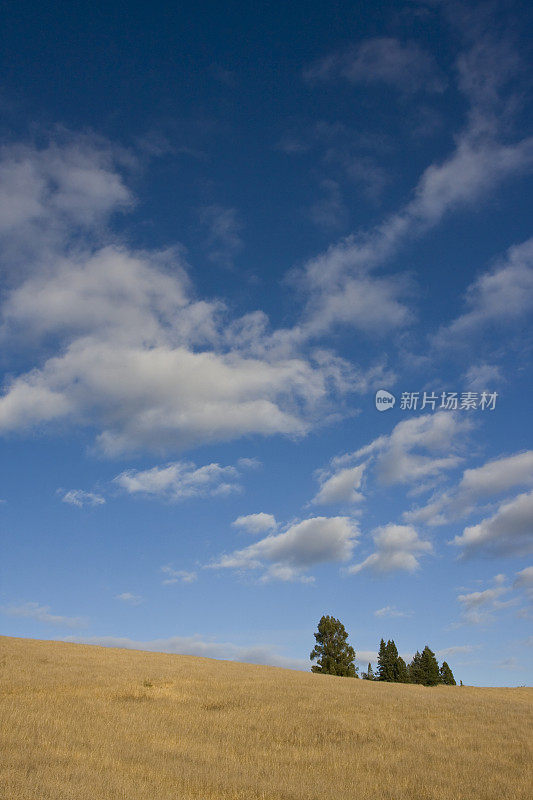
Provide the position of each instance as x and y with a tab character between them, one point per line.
256	523
341	487
180	480
403	65
72	183
141	388
508	532
287	556
177	575
120	342
495	477
128	364
41	613
79	498
196	646
398	547
417	449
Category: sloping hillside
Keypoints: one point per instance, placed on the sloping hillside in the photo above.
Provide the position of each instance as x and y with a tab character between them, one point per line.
90	723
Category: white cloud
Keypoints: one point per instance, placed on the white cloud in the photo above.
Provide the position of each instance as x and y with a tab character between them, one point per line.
478	607
136	377
177	576
256	523
120	344
417	448
287	556
483	377
509	531
398	547
129	364
341	487
339	283
390	611
180	480
249	463
495	477
480	483
130	598
72	182
501	296
403	456
41	613
404	66
79	498
373	305
196	646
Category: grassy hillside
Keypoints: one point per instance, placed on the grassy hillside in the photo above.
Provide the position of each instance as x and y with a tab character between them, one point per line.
90	723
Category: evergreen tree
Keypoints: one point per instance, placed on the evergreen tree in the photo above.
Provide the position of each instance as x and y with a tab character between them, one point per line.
430	668
332	652
446	675
383	665
388	662
415	669
403	675
392	660
369	674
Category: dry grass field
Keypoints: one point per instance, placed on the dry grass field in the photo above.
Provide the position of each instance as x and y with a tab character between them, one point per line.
89	723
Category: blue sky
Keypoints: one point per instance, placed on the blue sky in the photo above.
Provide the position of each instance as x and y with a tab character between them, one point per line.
222	232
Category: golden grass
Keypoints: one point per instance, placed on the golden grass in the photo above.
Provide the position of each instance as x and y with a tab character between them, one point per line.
90	723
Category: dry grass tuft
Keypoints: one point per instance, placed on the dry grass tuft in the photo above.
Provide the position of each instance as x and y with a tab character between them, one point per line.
90	723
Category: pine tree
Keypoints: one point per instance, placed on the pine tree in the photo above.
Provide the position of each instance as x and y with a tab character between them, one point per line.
403	675
446	675
392	660
383	664
430	668
388	666
332	652
369	674
415	669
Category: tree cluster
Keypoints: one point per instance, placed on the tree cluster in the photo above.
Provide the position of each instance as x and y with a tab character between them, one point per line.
334	656
423	669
